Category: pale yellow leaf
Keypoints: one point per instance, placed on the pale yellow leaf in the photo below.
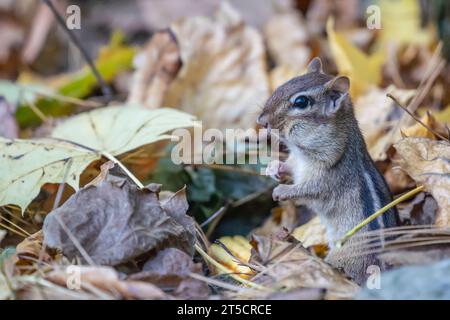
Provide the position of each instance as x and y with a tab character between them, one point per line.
428	162
121	129
26	165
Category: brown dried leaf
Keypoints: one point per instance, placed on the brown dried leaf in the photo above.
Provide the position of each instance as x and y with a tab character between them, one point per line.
428	163
223	77
30	249
170	269
116	222
107	280
157	66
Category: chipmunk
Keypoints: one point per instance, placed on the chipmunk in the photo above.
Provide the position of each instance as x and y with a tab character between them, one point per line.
332	171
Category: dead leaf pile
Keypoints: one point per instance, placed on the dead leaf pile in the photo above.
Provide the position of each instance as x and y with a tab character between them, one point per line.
284	264
113	222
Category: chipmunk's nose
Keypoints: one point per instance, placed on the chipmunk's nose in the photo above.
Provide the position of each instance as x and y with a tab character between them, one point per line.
263	120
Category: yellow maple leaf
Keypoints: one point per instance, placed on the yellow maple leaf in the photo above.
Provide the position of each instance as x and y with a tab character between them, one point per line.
362	69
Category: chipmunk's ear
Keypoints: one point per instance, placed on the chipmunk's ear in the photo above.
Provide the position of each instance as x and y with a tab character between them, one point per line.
315	65
337	89
340	84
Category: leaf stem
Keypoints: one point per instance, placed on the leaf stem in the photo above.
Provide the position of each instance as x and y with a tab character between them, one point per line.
378	213
120	164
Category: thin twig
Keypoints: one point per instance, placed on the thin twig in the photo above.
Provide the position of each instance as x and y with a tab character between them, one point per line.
62	185
213	216
226	270
378	213
125	169
15	225
106	90
437	134
36	110
12	230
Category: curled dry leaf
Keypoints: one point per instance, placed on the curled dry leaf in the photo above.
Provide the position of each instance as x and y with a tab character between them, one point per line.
290	52
223	76
171	269
157	66
287	265
376	112
116	222
428	163
26	165
107	280
30	250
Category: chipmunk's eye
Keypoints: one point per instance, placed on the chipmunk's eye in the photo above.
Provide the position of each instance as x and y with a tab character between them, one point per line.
301	102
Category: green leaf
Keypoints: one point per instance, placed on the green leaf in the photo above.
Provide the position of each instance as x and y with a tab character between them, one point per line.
111	61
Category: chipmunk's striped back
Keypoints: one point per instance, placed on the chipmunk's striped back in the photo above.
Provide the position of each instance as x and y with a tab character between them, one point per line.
375	195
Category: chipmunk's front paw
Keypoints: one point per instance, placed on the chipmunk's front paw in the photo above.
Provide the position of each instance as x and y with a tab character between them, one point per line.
276	170
282	192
